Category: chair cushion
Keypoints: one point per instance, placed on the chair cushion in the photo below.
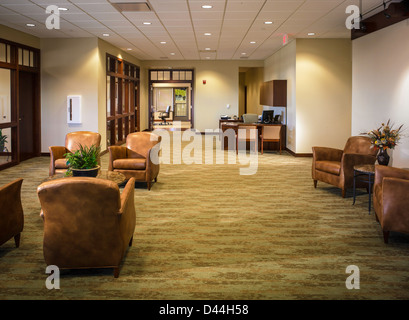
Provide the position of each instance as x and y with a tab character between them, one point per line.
61	164
333	167
130	164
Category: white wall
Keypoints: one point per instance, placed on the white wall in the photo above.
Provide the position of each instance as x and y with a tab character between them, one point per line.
381	84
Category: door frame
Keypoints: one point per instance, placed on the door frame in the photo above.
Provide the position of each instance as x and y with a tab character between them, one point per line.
19	55
171	81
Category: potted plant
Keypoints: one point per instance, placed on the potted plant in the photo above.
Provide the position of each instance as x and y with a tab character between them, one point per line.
3	141
83	162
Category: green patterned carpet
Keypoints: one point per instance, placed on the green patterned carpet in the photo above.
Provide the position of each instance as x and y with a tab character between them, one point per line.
206	232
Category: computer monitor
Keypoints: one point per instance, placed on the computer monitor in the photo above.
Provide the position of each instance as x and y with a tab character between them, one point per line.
267	116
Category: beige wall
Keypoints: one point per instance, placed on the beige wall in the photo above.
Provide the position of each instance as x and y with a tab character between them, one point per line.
221	88
324	93
319	91
68	67
254	80
282	66
381	85
19	37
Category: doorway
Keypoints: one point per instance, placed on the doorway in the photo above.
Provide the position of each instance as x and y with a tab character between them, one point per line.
175	96
27	106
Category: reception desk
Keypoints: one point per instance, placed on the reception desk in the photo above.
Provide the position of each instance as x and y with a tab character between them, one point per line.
225	125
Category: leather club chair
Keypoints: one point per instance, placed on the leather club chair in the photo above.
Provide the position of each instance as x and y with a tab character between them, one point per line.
390	199
336	167
72	141
88	223
11	212
135	159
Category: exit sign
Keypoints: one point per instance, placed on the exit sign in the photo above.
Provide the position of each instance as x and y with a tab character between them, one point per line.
285	39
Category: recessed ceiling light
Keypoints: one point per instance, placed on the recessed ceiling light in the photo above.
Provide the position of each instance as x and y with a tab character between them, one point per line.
172	53
207	49
105	34
243	53
129	49
30	25
268	22
147	23
62	9
207	34
311	33
163	42
252	42
207	7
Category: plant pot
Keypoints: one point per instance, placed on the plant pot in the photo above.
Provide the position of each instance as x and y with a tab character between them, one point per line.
85	172
383	157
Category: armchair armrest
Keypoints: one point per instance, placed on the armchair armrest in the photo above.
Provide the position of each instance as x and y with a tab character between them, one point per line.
56	152
383	171
126	213
349	160
116	152
325	153
395	204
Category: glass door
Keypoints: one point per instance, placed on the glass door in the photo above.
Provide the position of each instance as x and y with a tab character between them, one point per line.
180	104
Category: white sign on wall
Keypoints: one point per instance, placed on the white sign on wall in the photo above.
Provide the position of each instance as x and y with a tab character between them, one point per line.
73	109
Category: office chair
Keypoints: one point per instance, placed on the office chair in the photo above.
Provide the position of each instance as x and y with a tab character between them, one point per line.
164	114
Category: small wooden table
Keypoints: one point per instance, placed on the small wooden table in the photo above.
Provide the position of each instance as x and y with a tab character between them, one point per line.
368	171
114	176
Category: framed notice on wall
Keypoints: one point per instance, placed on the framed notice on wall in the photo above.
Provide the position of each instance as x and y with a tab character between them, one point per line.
73	109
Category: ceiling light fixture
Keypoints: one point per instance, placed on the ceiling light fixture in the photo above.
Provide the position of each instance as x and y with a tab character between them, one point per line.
172	53
30	25
252	42
207	49
268	22
311	33
243	53
129	49
163	42
207	34
207	7
62	9
105	34
147	23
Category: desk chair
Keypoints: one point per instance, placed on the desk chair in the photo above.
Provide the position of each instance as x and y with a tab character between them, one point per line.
164	114
270	134
245	133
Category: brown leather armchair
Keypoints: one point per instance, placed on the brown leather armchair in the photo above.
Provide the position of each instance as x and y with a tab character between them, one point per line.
135	159
390	199
88	223
11	212
336	167
72	141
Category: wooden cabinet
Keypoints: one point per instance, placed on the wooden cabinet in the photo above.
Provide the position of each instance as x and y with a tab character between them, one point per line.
274	93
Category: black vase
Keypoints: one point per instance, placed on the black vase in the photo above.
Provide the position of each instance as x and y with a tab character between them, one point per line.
383	157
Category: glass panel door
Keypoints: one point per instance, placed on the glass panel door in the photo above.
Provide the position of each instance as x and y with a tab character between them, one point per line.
180	105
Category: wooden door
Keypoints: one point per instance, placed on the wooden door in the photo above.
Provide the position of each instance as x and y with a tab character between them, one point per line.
27	98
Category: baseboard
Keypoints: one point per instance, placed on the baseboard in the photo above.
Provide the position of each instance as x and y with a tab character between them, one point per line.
299	155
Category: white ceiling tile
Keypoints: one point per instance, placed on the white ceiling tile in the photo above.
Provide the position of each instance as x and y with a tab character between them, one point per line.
182	23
